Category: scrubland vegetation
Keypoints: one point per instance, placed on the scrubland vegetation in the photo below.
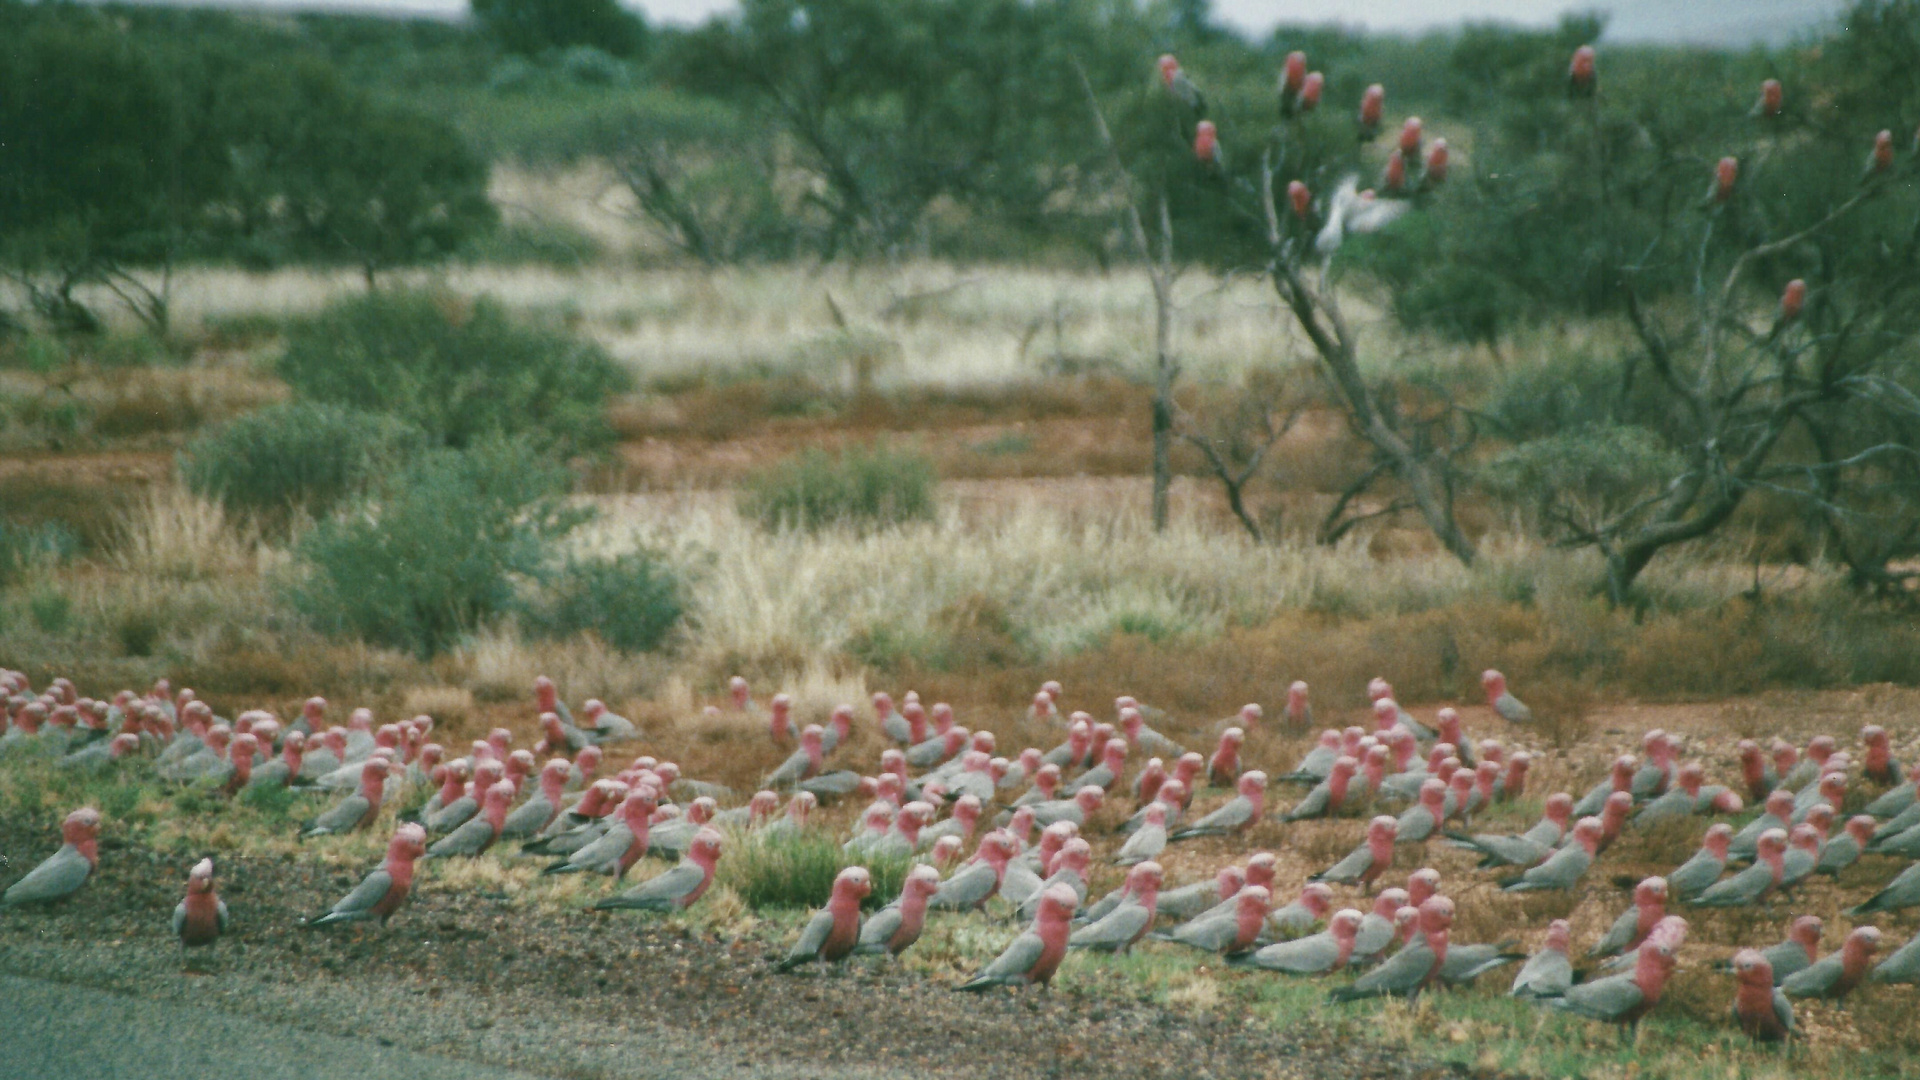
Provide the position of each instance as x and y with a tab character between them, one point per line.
784	347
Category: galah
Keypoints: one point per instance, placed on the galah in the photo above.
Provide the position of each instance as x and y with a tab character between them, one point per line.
1148	841
1223	768
1315	954
1171	797
1019	771
1022	880
892	724
1303	914
1502	701
1844	850
1625	998
1902	892
1880	158
542	808
839	728
1236	814
454	814
1903	966
103	753
61	874
795	821
1679	801
1525	849
893	929
1418	965
1035	954
479	832
1804	844
802	763
1830	793
1704	867
453	779
1459	795
1466	963
584	764
1798	952
1878	765
937	749
1070	869
622	845
1613	819
1388	715
200	918
1084	804
356	811
1755	771
1113	759
606	726
1366	862
1549	972
1177	84
979	882
1619	778
1260	869
781	727
1633	925
381	892
1318	762
1563	869
1351	210
1328	796
675	889
961	823
1235	930
1188	901
670	839
1134	726
239	769
1895	825
1372	103
903	839
1753	884
1513	782
1127	921
1760	1009
830	786
202	763
1147	784
546	699
285	770
1834	976
588	812
1811	765
1046	786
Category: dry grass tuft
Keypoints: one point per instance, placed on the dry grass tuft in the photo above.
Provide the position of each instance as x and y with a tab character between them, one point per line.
448	705
173	534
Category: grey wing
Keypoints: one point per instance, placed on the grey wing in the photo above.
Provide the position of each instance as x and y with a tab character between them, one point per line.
1814	980
1350	868
1231	815
1307	956
790	770
1602	999
879	929
1783	1009
1212	934
58	876
1401	971
964	889
1619	935
468	839
371	890
1546	974
814	937
180	917
671	885
1116	931
526	818
1695	875
605	850
1017	960
343	815
221	906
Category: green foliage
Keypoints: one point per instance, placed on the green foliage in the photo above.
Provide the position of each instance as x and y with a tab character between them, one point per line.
1601	466
798	872
52	610
458	371
531	27
860	488
438	549
22	546
632	601
295	456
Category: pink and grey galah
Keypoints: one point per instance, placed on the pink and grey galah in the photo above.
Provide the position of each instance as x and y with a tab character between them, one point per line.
540	810
1836	975
1756	882
1798	952
1148	841
1525	849
1231	931
61	874
200	918
1188	901
1502	701
979	882
1366	862
1413	968
1613	819
1035	955
677	888
802	763
1223	768
1844	849
622	845
1070	869
1171	797
1563	869
1113	760
1633	925
893	929
1315	954
1760	1009
1126	921
1327	797
1302	914
1378	931
1134	727
1626	998
380	894
1084	804
1901	966
479	832
1236	815
1549	972
1704	867
1318	762
356	811
1902	892
1878	764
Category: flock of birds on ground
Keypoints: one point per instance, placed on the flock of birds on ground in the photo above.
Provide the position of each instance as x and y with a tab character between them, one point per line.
1399	943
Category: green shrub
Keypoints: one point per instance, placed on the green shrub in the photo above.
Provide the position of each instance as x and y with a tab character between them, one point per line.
460	371
439	549
632	602
298	455
51	609
798	872
21	546
865	489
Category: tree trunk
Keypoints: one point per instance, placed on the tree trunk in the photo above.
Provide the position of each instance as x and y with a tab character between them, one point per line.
1162	414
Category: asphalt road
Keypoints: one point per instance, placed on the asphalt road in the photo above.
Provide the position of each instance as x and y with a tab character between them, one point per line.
50	1031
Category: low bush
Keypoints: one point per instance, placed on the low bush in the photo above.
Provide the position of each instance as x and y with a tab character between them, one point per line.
861	488
458	370
798	872
632	602
297	456
437	551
